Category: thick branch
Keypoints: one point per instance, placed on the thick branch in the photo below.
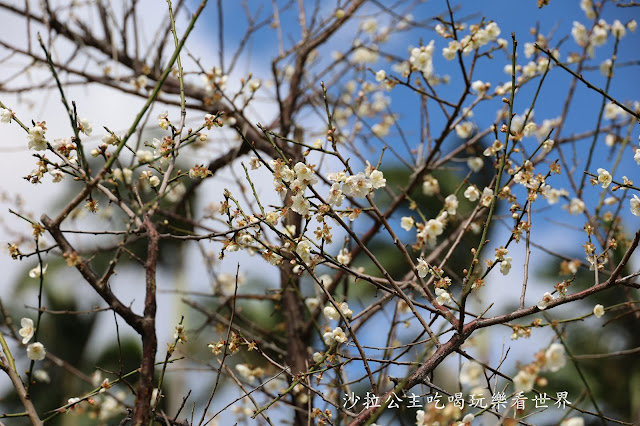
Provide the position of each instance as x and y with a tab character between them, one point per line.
83	266
22	392
144	389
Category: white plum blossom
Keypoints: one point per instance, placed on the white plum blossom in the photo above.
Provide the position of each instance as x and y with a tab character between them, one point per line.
379	104
339	335
369	26
529	129
547	145
245	372
72	402
36	351
335	196
331	313
430	185
380	130
547	298
524	381
521	178
552	195
573	421
85	126
493	149
272	258
300	204
546	126
381	75
636	156
254	84
160	150
303	249
57	175
163	120
613	111
505	265
421	59
335	336
282	171
272	217
576	206
422	268
604	177
464	130
244	238
36	138
344	308
404	22
402	68
290	230
503	89
5	115
471	373
312	303
357	186
407	223
530	69
325	279
471	193
123	175
344	257
144	156
377	179
493	30
508	69
254	163
62	144
529	49
226	283
587	8
487	197
606	67
27	330
109	139
478	86
598	310
433	227
451	204
305	174
363	55
580	34
450	51
635	205
555	357
42	376
442	296
139	82
598	35
37	272
475	163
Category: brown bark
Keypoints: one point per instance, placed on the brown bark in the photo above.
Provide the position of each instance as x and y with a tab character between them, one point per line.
144	390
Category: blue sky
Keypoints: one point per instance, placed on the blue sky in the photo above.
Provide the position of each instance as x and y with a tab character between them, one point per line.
512	16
